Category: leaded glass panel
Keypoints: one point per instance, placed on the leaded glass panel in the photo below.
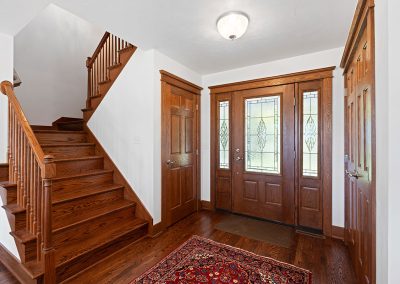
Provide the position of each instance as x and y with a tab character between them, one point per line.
262	134
224	135
310	134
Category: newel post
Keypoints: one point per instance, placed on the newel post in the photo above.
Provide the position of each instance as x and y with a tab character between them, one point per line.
89	82
48	173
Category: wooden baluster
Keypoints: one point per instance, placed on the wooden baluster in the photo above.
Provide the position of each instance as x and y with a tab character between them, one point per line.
48	172
89	82
9	154
39	215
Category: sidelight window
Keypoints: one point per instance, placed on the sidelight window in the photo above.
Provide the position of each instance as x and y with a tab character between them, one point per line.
262	137
310	134
224	135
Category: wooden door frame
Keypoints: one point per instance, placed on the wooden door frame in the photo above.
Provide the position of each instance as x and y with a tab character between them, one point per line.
171	79
325	75
364	18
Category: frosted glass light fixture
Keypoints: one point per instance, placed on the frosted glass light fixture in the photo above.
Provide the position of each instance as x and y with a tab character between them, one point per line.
232	25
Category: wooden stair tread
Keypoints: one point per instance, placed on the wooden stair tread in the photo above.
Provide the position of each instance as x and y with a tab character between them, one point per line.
115	66
60	131
85	158
7	184
67	145
14	208
102	83
91	214
88	173
23	236
128	48
79	247
64	196
33	268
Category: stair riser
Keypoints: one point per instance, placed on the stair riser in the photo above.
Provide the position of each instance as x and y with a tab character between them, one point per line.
17	221
77	167
125	55
61	152
94	103
97	225
76	207
27	251
87	115
86	181
114	72
75	266
8	195
48	138
103	89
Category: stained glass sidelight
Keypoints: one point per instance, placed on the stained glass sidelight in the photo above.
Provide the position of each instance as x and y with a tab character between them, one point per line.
263	132
224	135
310	133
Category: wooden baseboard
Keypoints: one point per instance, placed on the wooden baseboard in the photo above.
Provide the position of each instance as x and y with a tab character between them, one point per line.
338	233
14	266
206	205
156	230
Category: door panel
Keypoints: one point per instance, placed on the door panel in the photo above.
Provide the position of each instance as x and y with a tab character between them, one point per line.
359	215
263	166
179	157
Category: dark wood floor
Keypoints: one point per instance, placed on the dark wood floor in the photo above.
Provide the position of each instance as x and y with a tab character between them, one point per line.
328	259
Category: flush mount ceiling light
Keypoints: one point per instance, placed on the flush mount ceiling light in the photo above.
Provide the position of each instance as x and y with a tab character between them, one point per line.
232	25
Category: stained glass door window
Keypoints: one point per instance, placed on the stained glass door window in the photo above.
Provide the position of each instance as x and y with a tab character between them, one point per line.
262	135
224	135
310	133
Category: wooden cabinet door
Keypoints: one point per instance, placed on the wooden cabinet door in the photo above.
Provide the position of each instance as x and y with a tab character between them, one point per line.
263	153
179	152
359	194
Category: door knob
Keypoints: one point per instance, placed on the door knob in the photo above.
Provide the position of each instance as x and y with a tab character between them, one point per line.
353	174
239	158
170	162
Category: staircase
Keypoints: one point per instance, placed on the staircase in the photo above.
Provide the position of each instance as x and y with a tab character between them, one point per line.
67	204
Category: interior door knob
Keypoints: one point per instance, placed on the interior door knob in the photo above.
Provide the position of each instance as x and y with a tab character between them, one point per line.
170	162
239	158
353	174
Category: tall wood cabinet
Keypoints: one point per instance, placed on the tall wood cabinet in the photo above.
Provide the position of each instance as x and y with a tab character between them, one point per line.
360	191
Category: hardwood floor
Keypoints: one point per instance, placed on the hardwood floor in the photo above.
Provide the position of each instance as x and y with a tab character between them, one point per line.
6	277
328	259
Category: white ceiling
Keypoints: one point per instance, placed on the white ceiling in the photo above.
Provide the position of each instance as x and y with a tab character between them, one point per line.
186	29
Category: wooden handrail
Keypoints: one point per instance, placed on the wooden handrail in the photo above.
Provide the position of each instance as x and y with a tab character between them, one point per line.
91	60
32	171
8	90
106	56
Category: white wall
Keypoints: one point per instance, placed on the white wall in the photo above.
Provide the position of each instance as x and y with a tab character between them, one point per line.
300	63
131	136
6	73
387	44
50	58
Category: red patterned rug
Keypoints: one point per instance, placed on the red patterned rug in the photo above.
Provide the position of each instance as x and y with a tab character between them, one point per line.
201	260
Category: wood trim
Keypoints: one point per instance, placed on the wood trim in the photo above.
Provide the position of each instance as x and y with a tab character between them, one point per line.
180	83
291	78
14	266
357	25
206	205
156	230
338	233
119	178
326	155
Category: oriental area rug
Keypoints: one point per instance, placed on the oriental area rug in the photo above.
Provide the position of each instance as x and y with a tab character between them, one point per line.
201	260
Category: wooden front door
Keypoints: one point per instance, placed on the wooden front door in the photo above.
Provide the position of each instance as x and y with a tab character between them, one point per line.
263	153
180	134
359	160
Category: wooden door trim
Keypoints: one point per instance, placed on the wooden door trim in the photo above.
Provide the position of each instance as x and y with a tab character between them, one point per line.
291	78
325	75
173	80
180	83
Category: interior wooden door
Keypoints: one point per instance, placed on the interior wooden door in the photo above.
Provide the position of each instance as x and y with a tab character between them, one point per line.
180	122
263	153
359	163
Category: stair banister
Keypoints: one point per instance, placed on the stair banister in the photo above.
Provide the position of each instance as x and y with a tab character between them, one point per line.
32	171
105	56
